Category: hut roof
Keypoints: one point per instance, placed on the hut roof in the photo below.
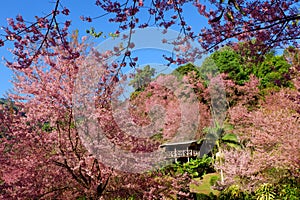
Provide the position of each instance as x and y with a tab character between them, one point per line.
178	143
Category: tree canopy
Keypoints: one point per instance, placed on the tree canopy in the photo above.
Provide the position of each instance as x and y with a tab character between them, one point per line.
261	24
142	78
73	138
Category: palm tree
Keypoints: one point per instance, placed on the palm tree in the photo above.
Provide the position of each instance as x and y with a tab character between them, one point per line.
217	138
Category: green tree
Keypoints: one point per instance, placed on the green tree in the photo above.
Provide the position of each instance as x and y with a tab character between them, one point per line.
273	72
218	136
186	69
142	78
208	69
227	61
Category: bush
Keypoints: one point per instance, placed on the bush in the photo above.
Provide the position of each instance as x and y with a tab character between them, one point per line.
135	94
195	167
213	180
265	191
234	193
289	192
211	196
288	189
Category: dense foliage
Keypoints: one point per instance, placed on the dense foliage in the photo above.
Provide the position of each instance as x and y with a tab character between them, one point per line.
255	136
196	167
274	72
257	152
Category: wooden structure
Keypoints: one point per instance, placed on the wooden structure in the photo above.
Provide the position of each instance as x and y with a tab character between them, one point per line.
181	151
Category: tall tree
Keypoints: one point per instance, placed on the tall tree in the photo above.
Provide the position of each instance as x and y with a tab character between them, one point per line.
44	156
142	78
271	142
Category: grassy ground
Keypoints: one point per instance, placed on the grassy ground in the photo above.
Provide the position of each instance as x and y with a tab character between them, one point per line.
203	185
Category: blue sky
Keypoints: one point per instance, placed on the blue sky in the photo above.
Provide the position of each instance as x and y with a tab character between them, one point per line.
30	8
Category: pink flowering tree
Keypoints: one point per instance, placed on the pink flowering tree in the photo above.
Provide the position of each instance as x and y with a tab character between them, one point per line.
271	142
46	158
262	25
42	153
43	149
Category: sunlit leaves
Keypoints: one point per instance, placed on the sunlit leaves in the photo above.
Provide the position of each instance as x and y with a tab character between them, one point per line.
93	33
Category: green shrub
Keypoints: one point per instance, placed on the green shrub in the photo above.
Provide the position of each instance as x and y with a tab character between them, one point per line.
265	192
213	180
135	94
142	78
234	193
288	188
195	167
81	198
289	192
211	196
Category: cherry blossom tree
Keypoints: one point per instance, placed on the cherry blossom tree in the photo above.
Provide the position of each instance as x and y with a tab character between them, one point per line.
42	153
46	158
271	142
262	25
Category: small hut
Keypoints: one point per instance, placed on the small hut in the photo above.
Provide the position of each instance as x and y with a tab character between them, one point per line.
181	151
